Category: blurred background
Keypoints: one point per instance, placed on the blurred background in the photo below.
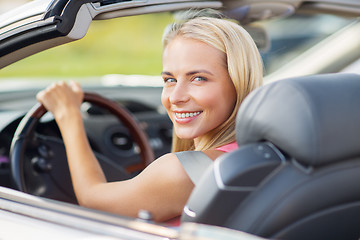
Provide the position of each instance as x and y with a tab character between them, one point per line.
132	45
128	45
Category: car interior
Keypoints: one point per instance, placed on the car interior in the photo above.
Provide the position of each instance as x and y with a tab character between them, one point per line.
294	176
296	171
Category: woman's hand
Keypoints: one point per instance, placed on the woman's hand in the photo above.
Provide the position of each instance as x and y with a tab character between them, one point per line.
61	99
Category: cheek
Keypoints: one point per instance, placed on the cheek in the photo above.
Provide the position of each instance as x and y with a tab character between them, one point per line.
165	99
209	98
208	101
228	104
219	102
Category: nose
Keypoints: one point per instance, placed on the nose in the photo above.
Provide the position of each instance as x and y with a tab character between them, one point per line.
179	94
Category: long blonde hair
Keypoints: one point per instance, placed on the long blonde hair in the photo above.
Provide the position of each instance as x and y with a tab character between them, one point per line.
243	62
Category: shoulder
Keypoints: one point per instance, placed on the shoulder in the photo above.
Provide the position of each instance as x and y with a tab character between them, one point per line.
168	167
165	185
168	159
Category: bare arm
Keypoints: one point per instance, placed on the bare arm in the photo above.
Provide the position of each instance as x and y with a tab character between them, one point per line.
162	188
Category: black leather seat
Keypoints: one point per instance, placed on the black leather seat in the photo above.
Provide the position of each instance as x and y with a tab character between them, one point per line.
296	174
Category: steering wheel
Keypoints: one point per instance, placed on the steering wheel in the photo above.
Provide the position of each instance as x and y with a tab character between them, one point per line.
39	164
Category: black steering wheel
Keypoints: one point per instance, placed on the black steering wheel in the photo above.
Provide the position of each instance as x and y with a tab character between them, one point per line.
39	164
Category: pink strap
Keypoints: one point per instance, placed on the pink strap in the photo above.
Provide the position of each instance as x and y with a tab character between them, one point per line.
228	147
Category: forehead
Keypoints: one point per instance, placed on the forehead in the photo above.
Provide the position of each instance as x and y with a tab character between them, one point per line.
189	52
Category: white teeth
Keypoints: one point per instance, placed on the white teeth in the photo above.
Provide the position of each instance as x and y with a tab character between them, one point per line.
186	115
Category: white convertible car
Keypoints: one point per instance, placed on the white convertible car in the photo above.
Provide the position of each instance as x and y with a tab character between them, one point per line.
296	174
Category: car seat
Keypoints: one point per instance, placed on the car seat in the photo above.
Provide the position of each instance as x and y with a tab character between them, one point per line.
296	174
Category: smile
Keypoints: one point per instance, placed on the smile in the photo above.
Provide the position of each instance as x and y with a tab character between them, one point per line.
187	115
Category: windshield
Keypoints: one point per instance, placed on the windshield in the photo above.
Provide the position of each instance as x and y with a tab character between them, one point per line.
115	50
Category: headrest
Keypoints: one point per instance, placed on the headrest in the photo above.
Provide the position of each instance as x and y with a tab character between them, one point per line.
315	119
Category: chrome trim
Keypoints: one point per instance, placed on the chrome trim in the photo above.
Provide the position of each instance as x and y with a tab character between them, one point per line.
189	212
142	7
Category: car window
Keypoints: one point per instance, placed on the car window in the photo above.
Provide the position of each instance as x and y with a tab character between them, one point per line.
291	36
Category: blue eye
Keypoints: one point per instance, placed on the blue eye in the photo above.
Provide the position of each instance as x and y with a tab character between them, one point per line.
199	79
169	80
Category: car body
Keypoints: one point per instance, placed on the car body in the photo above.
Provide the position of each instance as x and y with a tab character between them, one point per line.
44	24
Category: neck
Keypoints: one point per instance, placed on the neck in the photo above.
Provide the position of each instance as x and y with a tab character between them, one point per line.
198	140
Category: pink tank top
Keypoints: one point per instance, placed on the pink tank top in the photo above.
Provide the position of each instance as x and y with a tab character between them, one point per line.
228	147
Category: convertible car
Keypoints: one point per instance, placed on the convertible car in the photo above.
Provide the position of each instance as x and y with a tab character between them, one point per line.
295	175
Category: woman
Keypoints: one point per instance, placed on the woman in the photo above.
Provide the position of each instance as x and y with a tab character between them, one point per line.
209	66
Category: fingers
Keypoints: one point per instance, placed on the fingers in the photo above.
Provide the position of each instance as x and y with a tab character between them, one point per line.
40	96
61	96
63	100
60	86
75	86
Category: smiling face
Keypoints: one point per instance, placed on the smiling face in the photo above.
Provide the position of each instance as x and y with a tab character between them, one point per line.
198	93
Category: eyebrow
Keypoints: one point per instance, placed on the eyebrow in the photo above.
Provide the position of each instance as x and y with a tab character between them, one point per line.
167	73
189	73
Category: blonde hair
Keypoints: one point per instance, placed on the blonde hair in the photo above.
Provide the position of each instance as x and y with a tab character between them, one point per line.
243	62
